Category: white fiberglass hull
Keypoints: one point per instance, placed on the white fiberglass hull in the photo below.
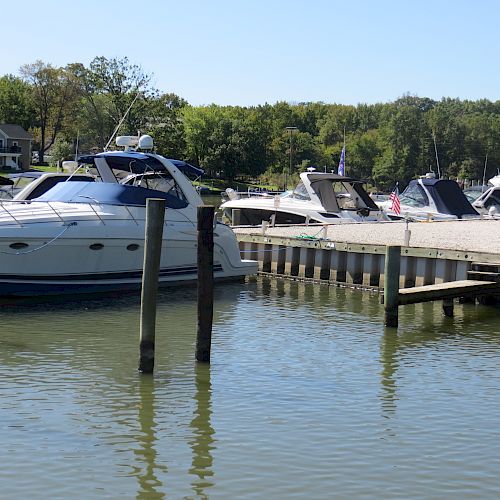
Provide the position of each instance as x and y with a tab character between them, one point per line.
252	211
77	248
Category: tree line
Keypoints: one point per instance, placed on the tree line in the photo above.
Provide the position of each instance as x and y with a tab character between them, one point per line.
80	106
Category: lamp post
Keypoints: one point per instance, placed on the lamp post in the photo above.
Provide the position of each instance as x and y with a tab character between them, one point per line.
291	131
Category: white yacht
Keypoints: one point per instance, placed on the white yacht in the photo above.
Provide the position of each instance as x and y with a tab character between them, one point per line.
319	197
88	235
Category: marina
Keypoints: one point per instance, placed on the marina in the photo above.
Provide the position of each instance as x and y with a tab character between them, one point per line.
230	269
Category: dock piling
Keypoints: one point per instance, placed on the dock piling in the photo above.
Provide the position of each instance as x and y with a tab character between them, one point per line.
391	284
448	307
205	282
155	216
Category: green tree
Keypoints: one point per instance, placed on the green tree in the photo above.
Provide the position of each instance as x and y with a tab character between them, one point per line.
53	95
15	102
62	150
107	88
165	124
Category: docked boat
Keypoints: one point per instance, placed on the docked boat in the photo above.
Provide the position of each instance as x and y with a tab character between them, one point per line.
82	236
488	203
431	198
319	197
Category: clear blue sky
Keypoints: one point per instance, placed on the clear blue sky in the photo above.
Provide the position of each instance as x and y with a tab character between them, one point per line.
249	52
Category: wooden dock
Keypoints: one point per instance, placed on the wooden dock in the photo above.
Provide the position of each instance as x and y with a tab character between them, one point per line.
449	290
458	266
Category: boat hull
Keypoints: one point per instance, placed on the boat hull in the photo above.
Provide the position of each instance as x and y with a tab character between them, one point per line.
50	258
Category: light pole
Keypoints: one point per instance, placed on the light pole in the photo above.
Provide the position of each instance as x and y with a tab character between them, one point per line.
291	131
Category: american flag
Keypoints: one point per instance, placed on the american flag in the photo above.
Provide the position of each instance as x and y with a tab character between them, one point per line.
396	204
342	162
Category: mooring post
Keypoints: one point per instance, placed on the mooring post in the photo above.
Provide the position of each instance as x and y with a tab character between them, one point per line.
391	284
205	282
155	216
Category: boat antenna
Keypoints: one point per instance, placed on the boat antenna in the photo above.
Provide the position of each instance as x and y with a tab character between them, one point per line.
484	172
121	121
437	158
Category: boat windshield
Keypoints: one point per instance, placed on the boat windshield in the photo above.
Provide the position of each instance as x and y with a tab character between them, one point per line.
163	182
414	196
493	199
300	192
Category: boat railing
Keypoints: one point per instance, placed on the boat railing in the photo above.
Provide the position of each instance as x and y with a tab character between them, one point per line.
61	215
231	194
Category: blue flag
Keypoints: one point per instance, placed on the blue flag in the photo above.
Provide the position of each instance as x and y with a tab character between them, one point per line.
342	162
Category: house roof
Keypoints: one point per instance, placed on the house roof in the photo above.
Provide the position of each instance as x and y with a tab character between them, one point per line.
15	131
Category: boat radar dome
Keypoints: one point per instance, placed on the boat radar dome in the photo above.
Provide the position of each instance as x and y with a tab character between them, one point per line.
132	142
145	142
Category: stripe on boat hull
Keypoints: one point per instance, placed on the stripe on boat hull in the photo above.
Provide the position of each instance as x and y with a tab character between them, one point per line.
12	285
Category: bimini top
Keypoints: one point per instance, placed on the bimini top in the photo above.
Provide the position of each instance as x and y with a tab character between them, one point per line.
138	163
321	176
448	197
107	193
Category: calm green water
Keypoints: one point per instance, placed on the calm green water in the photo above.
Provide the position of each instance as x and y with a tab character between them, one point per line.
307	396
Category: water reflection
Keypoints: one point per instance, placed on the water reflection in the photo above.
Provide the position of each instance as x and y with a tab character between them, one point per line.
147	479
202	441
424	326
389	351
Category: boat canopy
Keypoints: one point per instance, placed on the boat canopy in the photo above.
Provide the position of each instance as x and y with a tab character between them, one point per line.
322	184
107	193
138	163
187	168
448	197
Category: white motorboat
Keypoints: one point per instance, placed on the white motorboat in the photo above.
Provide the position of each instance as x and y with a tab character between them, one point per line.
431	198
83	236
488	203
319	197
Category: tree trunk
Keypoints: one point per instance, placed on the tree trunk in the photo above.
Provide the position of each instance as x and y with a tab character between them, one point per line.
41	151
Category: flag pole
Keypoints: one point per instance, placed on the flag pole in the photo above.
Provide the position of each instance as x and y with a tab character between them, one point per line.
344	148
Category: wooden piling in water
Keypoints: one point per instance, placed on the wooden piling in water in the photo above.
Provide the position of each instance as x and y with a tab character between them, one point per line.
205	282
391	285
155	216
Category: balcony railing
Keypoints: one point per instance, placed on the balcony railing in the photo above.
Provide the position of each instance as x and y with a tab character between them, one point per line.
11	149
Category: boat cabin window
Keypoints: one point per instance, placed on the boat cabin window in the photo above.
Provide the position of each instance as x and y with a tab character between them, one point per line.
300	192
414	196
347	199
160	182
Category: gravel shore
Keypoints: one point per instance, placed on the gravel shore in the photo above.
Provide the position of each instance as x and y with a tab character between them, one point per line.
466	235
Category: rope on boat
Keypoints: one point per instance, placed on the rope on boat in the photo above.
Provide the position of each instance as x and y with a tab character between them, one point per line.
45	244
